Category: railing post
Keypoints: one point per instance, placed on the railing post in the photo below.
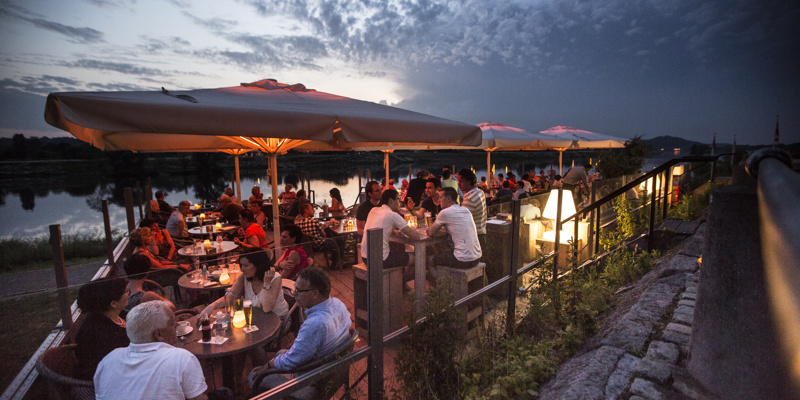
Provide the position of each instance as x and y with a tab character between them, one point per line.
148	194
667	191
591	236
127	193
375	312
651	228
139	199
558	235
512	283
109	239
61	276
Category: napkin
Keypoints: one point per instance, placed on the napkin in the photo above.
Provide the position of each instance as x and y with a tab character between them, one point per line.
252	328
210	283
213	341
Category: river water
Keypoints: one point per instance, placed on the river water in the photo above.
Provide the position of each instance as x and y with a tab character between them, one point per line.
70	193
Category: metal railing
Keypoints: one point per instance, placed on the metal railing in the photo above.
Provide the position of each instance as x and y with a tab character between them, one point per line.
779	212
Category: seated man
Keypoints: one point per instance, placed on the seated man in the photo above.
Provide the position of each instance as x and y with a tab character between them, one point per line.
373	191
432	203
327	326
234	199
176	225
256	196
150	367
456	221
162	204
294	208
228	210
312	227
505	191
387	217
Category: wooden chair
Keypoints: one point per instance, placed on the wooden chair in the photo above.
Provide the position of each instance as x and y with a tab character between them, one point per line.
57	365
326	387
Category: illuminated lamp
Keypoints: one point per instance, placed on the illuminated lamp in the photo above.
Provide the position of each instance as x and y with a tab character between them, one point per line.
224	277
550	210
197	206
207	244
218	226
238	319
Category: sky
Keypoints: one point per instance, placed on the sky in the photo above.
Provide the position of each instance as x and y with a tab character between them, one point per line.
620	67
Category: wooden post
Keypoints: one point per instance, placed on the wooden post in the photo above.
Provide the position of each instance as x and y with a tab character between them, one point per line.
556	244
375	312
148	195
139	199
127	193
109	238
512	283
238	181
61	276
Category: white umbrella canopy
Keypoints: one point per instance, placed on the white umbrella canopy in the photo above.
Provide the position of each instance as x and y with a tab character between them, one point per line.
582	139
265	115
497	136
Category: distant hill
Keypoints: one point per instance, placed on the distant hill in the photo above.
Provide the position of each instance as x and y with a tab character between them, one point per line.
669	143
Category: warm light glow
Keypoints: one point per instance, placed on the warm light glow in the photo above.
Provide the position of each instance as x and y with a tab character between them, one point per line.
197	206
259	180
677	170
218	226
224	277
551	236
238	319
207	244
567	205
202	215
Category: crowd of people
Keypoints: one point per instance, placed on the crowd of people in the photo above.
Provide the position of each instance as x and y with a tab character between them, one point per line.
126	342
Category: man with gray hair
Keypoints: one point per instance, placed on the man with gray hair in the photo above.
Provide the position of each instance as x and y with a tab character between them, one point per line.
176	224
150	367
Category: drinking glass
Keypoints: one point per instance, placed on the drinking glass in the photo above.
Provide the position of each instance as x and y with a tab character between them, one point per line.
248	312
219	332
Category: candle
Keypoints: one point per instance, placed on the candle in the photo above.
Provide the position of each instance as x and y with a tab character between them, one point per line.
202	215
238	319
218	226
197	206
207	244
224	277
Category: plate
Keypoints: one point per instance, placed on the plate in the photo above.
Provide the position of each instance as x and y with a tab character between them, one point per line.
183	331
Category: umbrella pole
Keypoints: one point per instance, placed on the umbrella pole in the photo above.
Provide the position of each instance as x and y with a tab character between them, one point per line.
386	165
488	166
276	222
238	184
560	153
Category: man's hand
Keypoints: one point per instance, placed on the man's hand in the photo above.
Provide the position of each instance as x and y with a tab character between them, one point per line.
410	203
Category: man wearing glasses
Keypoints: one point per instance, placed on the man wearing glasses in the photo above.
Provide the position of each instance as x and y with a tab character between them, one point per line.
327	326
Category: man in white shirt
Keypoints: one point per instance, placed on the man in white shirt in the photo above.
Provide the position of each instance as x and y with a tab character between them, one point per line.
387	217
458	223
176	225
150	367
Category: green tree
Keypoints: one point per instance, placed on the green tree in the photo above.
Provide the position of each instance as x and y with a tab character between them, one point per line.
625	161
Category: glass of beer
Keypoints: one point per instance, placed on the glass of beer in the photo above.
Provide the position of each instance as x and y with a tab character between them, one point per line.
248	312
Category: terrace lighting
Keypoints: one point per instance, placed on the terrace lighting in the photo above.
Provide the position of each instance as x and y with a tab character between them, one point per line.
550	210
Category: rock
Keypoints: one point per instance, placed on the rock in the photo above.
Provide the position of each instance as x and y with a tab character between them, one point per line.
676	337
654	370
620	379
685	319
686	330
584	376
684	310
686	302
646	389
663	351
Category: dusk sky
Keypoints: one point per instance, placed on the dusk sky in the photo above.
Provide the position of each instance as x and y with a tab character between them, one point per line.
619	67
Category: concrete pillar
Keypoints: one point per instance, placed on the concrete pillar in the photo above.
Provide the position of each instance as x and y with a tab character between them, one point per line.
734	351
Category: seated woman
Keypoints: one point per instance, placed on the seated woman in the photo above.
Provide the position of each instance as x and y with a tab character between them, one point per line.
258	283
294	258
162	245
165	273
255	207
102	330
136	268
337	208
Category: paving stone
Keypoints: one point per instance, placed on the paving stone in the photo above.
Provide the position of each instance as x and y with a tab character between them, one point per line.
663	351
685	319
637	398
689	296
686	302
654	370
675	337
692	288
686	330
684	310
620	379
584	376
646	389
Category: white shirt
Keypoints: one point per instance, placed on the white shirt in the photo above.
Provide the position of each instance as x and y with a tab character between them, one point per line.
149	371
382	217
461	227
281	306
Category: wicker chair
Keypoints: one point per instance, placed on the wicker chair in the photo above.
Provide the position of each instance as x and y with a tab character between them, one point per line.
57	365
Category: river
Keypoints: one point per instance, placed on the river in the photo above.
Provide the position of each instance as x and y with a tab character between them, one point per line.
35	195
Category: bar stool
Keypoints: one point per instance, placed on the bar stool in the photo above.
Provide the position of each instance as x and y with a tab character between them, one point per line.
460	280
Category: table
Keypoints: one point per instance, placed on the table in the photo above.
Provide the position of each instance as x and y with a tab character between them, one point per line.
419	259
196	220
238	342
191	251
185	282
202	230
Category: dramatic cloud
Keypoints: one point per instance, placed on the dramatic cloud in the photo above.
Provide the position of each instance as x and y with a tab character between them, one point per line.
123	68
82	35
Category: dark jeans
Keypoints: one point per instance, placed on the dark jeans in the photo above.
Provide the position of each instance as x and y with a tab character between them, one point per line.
397	256
448	259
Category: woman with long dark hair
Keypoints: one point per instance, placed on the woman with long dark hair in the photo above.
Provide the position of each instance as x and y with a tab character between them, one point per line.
102	329
337	208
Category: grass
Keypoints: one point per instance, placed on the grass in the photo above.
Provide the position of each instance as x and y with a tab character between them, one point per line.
25	254
23	327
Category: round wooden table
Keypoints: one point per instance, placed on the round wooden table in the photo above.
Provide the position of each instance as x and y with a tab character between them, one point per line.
185	282
202	231
238	342
191	251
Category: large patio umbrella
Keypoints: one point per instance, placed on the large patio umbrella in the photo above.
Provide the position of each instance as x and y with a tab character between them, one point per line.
581	140
501	137
264	115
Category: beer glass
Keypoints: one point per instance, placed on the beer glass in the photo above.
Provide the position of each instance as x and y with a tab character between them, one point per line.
248	312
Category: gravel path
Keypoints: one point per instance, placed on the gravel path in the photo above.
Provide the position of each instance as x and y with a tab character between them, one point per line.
27	282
